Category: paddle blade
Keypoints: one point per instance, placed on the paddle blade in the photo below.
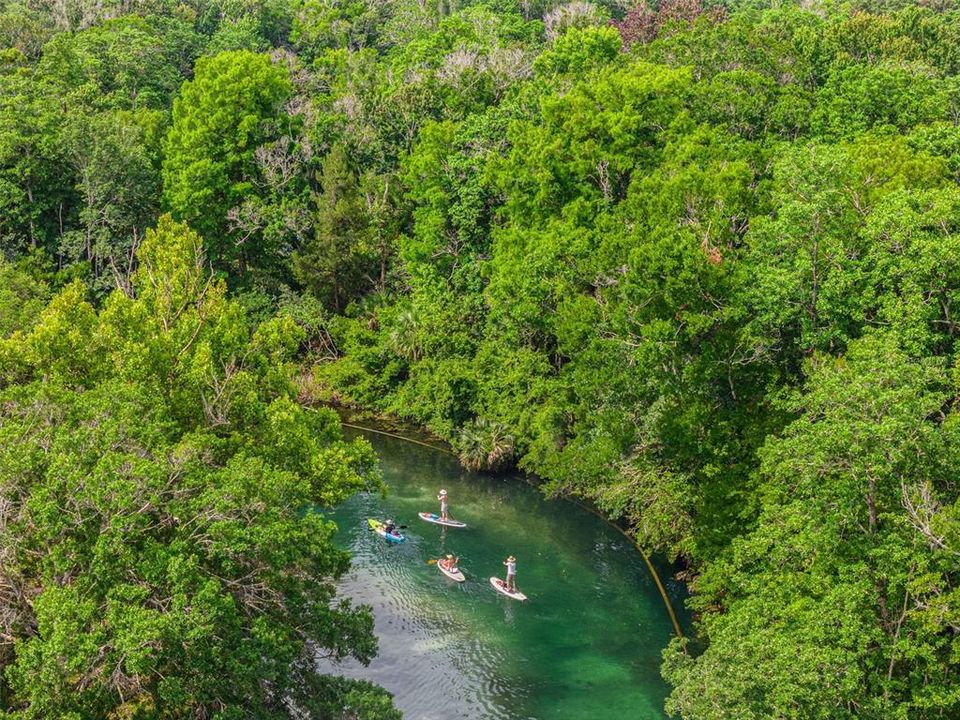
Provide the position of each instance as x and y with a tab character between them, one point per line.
432	561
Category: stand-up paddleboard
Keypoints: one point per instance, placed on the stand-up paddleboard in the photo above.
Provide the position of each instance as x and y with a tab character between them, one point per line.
435	519
377	527
501	588
454	574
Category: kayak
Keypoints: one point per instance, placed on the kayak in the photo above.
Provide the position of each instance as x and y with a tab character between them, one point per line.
454	574
435	519
377	527
501	588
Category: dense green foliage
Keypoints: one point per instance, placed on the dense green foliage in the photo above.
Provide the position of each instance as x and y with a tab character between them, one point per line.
160	556
697	265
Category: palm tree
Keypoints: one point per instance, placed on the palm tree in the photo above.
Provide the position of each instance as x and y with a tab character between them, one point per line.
485	445
404	336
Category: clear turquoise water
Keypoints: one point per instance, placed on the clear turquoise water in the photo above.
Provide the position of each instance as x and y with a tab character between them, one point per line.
585	646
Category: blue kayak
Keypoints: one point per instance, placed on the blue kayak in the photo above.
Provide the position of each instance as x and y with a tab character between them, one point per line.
377	527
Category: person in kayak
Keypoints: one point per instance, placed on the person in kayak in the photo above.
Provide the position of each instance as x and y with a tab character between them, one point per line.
449	562
511	582
444	505
389	528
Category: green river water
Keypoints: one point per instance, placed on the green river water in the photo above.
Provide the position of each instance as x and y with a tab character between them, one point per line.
585	646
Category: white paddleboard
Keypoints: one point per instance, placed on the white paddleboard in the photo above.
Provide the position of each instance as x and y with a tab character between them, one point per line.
454	574
435	519
501	588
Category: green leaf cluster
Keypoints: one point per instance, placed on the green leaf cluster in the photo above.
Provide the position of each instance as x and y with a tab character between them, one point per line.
164	550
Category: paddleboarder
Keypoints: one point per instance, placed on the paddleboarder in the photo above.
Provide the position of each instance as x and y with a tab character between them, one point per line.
389	527
450	562
444	505
511	581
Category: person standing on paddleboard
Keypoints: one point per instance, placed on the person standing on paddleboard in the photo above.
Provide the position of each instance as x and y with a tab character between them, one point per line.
444	505
511	581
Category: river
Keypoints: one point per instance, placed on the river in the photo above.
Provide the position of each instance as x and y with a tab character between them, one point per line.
585	646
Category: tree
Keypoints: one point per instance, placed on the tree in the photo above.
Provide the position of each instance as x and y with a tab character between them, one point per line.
855	99
579	49
642	24
154	452
331	263
836	581
33	187
123	64
230	108
485	445
118	182
22	297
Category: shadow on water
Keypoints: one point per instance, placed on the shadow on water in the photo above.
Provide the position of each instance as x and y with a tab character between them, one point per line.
586	645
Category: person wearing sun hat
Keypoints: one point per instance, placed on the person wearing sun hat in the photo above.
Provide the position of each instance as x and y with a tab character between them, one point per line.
450	562
444	505
511	582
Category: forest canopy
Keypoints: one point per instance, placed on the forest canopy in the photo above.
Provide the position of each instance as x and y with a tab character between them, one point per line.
692	262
